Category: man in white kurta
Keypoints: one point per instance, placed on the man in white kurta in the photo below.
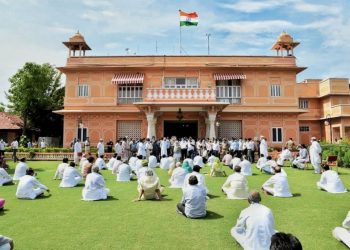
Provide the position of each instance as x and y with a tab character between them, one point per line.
77	151
100	148
261	162
235	161
226	160
152	161
330	181
20	170
100	162
277	185
111	161
236	185
123	172
315	155
200	178
269	166
246	166
29	187
60	169
95	186
132	162
5	178
164	147
164	163
141	149
263	146
255	225
177	177
198	160
286	154
302	157
118	148
343	233
71	176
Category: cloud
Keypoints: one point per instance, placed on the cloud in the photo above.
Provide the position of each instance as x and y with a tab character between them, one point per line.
62	30
112	45
317	8
254	6
96	3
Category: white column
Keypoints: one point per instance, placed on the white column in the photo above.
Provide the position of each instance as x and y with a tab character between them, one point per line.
151	125
206	128
212	119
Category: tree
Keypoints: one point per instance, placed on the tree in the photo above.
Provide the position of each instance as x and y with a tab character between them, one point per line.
2	107
34	93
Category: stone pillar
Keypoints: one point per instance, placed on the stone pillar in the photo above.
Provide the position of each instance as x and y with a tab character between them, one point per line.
151	125
206	128
212	119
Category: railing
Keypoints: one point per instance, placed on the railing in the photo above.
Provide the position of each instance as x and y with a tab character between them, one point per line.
181	94
229	94
340	110
129	94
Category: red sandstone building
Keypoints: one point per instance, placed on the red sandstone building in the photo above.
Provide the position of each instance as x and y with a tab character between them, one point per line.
200	96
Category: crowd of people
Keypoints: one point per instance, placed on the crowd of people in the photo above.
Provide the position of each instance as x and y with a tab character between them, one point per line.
183	160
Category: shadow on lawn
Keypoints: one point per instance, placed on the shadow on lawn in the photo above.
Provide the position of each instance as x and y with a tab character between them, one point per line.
3	211
296	195
211	196
212	216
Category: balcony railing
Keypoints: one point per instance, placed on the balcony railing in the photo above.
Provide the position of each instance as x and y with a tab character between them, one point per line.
228	94
197	94
340	110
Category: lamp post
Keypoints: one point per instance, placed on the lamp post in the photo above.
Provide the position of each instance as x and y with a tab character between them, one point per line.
208	38
80	126
328	122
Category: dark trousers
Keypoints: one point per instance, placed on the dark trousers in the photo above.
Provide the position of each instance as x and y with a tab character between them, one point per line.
2	152
183	153
181	208
250	155
14	155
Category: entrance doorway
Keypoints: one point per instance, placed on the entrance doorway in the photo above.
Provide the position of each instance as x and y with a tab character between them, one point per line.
181	129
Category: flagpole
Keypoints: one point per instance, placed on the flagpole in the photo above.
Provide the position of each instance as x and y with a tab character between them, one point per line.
180	38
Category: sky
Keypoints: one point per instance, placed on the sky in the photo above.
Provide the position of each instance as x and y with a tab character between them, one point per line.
33	31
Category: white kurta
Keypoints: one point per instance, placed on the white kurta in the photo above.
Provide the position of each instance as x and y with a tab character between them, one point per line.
132	162
100	163
254	228
124	172
20	170
149	184
164	163
60	169
95	188
141	149
29	188
4	177
331	182
71	177
285	155
152	161
178	177
235	162
278	186
261	162
343	233
100	148
194	198
263	148
163	148
226	160
268	167
315	158
246	167
111	163
198	160
200	178
236	186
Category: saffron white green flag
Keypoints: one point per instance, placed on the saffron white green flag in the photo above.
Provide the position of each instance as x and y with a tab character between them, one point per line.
188	19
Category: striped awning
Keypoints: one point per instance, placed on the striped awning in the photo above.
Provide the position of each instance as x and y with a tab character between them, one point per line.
228	76
128	78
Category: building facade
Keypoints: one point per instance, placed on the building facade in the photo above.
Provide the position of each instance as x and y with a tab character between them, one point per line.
111	97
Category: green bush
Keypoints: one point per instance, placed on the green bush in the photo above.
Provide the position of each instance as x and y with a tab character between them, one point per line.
340	150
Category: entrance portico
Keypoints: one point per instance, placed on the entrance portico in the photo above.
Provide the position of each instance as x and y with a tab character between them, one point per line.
162	117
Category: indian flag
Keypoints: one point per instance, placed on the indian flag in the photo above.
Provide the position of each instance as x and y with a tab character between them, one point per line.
188	19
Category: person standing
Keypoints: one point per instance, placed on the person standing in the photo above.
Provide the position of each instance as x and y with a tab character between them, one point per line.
2	147
290	144
14	146
100	148
164	147
315	155
87	145
110	146
263	146
77	151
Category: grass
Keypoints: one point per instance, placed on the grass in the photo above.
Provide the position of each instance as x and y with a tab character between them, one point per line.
63	221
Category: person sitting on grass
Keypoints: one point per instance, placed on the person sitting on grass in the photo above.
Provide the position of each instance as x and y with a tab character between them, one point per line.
152	161
111	161
187	167
123	172
200	178
149	187
3	163
255	225
236	185
285	154
330	181
193	203
235	161
302	157
29	187
100	162
217	168
2	205
246	166
261	162
88	166
6	243
343	233
20	169
178	176
5	178
269	166
198	160
283	241
60	169
226	160
132	161
277	185
83	160
95	186
71	176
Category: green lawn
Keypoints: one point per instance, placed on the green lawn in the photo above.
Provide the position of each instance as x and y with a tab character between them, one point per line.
63	221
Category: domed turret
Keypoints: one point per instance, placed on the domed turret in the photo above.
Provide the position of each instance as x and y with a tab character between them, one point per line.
285	42
76	42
